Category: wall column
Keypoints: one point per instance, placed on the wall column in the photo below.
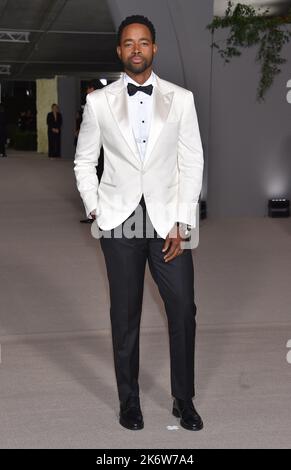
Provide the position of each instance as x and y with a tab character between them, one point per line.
65	91
46	95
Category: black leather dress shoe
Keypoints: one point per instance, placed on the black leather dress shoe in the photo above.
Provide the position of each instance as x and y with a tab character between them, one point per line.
185	410
130	416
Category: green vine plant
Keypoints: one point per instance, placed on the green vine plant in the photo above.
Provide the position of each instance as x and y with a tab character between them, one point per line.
248	27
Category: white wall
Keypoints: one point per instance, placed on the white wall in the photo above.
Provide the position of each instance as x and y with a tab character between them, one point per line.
250	154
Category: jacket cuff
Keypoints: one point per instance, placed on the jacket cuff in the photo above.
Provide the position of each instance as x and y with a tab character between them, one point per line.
90	204
186	213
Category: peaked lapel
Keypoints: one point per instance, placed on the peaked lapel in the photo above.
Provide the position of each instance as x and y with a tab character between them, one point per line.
162	102
117	99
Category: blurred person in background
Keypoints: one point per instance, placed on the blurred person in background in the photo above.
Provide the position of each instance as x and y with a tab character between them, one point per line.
30	120
54	122
3	133
21	122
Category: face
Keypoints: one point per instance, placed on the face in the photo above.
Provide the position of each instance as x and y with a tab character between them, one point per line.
136	49
55	108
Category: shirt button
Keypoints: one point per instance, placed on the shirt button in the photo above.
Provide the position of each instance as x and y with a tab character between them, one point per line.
142	121
144	141
141	102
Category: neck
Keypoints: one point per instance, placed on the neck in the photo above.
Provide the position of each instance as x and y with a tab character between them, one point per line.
139	77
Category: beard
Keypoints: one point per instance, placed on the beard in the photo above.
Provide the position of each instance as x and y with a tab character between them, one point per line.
137	68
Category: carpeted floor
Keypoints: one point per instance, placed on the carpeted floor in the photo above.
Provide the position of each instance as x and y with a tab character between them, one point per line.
57	384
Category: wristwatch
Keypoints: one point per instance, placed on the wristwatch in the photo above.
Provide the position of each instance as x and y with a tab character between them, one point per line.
186	229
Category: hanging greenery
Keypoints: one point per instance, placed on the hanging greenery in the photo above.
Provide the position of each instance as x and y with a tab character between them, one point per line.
248	27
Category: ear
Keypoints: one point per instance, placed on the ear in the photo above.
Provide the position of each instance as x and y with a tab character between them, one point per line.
155	48
118	50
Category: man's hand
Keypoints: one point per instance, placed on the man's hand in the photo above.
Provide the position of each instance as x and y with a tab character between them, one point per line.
173	244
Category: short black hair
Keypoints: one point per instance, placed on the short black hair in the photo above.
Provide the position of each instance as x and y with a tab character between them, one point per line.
136	19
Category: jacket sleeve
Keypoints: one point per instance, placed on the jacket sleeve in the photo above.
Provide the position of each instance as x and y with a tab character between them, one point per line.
86	158
190	163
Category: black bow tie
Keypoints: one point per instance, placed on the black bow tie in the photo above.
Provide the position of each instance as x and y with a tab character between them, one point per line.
132	89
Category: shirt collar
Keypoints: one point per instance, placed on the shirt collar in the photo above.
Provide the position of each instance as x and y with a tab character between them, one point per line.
150	81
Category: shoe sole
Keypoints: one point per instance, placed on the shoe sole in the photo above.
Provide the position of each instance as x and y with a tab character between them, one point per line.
136	428
177	414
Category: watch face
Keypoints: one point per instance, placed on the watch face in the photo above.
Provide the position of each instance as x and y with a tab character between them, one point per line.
185	233
185	230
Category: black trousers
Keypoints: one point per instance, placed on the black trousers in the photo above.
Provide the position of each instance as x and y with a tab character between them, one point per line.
125	260
54	144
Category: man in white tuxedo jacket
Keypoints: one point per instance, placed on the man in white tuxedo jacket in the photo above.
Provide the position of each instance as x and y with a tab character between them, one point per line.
153	166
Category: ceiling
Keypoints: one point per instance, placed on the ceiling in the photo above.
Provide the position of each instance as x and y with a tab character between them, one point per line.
69	37
73	37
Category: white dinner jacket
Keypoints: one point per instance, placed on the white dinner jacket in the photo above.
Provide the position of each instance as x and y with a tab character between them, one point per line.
169	177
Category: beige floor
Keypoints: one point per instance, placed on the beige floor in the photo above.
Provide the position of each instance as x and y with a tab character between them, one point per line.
57	386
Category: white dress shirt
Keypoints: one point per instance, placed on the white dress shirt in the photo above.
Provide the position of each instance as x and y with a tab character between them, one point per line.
140	111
